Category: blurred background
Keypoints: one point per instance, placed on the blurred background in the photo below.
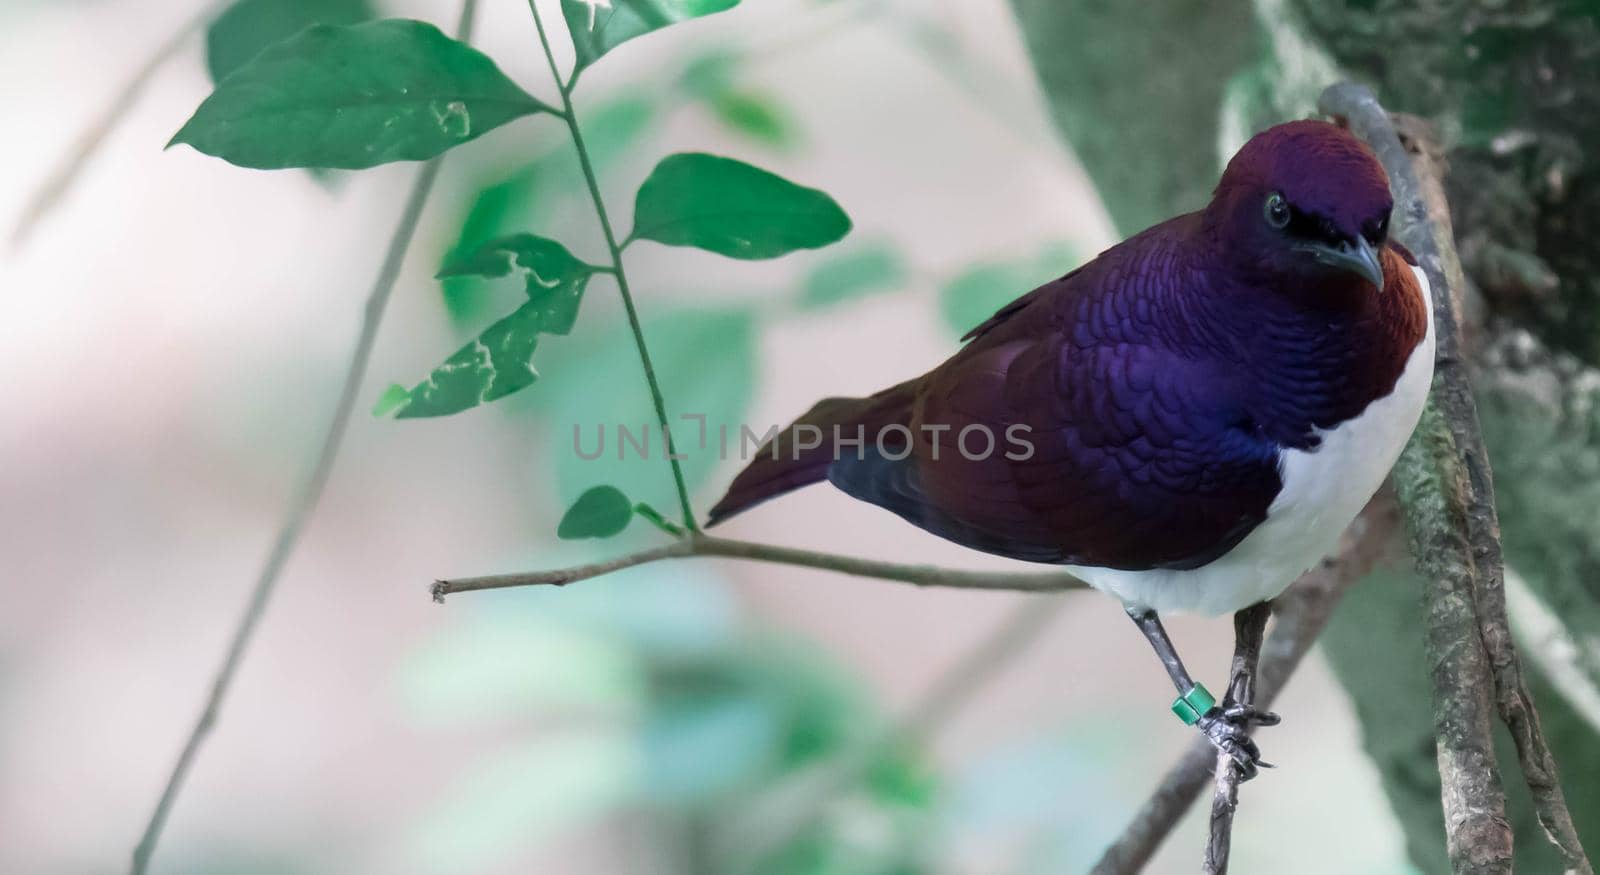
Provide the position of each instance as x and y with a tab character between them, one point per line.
171	340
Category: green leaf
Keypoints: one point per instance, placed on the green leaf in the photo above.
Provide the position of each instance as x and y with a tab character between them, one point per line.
500	361
602	512
523	197
355	97
733	209
499	208
598	26
495	365
393	399
247	27
857	274
555	278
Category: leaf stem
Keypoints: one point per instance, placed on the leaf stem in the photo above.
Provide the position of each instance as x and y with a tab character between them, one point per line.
708	545
571	117
306	499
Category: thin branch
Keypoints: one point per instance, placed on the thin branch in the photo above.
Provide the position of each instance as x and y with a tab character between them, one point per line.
305	501
1457	532
1247	628
707	545
61	178
569	115
783	814
1300	615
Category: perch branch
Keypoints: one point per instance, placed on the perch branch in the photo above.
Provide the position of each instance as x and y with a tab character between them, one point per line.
305	501
618	272
1300	615
1448	492
1248	626
65	173
707	545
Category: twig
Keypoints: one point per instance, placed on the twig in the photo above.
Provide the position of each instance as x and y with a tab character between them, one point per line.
783	814
1456	529
305	501
617	270
1301	614
61	178
1512	697
1247	628
708	545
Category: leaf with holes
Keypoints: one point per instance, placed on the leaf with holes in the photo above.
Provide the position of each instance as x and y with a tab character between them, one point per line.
733	209
598	26
500	361
496	364
555	278
355	97
602	512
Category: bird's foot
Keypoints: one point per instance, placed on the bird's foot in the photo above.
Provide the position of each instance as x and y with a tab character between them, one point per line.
1245	715
1228	727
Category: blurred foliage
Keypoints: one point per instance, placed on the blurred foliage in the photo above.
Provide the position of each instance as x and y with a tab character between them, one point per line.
980	290
1137	94
653	698
707	361
865	270
1541	416
715	80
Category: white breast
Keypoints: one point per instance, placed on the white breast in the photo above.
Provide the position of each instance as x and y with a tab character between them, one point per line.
1323	490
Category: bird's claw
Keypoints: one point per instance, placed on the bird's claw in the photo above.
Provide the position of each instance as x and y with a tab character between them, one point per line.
1245	715
1228	728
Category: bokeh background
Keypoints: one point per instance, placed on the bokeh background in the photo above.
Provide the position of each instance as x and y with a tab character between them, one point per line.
171	339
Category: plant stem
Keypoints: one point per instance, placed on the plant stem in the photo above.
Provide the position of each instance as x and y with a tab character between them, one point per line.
617	269
61	178
306	499
707	545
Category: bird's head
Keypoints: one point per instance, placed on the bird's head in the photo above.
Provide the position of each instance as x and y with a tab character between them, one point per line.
1306	205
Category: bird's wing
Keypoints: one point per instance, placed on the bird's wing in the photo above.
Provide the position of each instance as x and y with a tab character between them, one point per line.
1137	455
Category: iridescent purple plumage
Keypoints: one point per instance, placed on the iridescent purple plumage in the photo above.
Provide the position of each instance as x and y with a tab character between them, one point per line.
1158	384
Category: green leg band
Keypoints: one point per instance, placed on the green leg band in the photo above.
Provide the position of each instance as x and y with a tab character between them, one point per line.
1191	705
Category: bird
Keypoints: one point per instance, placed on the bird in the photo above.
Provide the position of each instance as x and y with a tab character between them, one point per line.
1187	422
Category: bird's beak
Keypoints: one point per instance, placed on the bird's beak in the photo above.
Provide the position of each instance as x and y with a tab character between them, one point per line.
1359	257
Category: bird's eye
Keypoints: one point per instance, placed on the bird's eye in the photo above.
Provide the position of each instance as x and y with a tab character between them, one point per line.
1277	211
1377	231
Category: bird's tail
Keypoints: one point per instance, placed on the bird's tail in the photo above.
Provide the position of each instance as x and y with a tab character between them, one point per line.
801	454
